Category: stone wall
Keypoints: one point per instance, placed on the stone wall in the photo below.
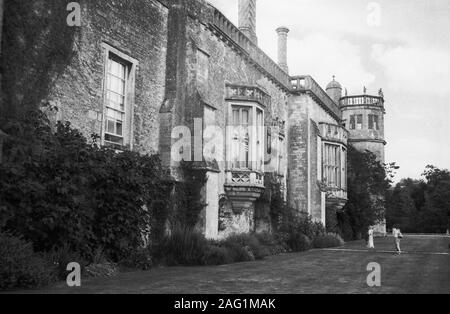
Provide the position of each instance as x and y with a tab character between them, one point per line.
315	165
206	90
139	30
303	187
298	150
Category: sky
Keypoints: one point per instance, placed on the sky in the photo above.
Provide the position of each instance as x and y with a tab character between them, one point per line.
402	46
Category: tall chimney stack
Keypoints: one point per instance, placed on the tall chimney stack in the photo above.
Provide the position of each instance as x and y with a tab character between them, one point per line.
282	48
247	19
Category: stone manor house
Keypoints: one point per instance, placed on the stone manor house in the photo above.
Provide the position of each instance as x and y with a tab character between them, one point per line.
178	78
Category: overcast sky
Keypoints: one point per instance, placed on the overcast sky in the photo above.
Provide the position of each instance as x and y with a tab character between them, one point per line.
405	51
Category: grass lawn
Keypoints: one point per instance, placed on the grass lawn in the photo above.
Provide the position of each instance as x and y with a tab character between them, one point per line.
424	268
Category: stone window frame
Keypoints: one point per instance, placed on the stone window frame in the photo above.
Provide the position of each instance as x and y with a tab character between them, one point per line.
132	67
338	168
374	122
359	126
253	137
353	123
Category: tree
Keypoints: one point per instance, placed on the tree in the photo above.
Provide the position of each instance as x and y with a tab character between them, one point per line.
436	215
421	206
403	204
368	185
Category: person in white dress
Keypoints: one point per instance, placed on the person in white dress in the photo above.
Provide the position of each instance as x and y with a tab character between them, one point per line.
397	236
371	244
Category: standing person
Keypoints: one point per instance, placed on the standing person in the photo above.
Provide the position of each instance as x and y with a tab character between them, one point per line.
397	236
371	243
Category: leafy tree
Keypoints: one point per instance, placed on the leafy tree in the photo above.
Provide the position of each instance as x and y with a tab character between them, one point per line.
436	214
368	184
421	205
403	204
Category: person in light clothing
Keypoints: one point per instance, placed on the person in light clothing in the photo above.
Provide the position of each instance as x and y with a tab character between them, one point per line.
371	242
397	236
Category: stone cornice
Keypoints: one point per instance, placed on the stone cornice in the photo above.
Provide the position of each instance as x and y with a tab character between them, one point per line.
370	140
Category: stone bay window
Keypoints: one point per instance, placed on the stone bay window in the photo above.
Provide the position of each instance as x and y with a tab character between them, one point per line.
246	162
246	145
334	163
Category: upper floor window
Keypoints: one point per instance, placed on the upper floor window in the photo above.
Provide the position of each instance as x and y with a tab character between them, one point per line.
116	102
334	161
356	122
281	156
374	122
118	98
332	165
359	122
247	137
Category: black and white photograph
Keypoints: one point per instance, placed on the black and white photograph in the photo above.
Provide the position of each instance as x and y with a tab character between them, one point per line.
224	154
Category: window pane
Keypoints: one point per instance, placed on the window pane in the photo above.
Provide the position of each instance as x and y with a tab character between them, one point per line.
352	122
236	117
110	126
359	122
245	117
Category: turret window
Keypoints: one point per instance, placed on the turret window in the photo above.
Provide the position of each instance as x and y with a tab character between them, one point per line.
359	122
374	122
356	122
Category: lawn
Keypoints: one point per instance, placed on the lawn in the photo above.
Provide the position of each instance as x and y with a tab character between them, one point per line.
424	268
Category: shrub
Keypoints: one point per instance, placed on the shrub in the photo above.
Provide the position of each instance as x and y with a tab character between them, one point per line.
238	253
251	243
183	247
216	255
310	228
273	243
61	257
329	240
58	189
20	266
298	242
141	259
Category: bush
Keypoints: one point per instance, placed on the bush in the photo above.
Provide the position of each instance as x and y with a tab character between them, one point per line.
310	228
273	243
58	189
61	257
251	243
183	247
298	242
141	259
238	253
20	266
216	255
329	240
